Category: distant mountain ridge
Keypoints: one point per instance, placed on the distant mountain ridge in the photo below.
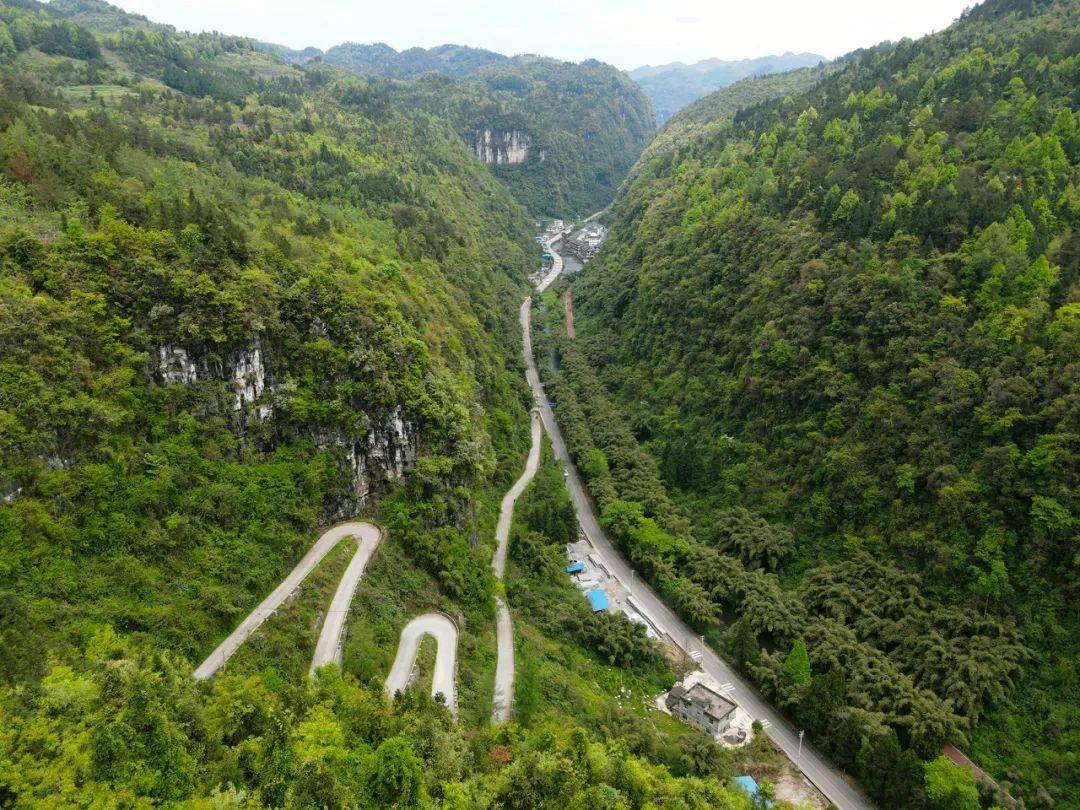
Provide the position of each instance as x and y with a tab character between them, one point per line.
561	135
380	59
677	84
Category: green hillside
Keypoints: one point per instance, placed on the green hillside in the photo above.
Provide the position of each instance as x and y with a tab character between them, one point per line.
240	301
155	243
715	112
674	86
587	124
561	136
844	327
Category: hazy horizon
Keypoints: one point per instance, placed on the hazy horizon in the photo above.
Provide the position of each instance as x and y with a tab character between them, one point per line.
626	34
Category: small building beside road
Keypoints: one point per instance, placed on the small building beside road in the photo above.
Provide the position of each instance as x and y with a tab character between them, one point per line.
701	707
598	600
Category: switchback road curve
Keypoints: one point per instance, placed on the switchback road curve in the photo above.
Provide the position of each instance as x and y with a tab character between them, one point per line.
265	609
440	627
504	667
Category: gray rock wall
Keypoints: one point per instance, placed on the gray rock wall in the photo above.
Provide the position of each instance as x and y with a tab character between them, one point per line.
494	146
371	461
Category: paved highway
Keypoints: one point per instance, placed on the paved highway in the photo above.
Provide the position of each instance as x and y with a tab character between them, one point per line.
504	636
828	779
328	648
445	633
266	608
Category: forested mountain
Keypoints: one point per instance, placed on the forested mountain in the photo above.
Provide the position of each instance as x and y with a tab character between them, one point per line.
561	136
845	326
379	59
583	127
673	86
239	300
382	60
715	111
293	57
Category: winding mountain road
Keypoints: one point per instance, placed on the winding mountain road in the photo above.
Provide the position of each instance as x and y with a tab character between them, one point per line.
828	779
506	509
504	667
440	627
270	604
329	646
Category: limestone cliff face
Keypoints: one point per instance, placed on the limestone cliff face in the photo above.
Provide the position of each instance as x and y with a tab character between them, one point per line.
502	147
370	461
382	456
243	371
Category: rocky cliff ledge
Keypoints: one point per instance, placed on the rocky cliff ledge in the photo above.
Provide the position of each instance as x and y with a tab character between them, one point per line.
243	371
382	455
502	147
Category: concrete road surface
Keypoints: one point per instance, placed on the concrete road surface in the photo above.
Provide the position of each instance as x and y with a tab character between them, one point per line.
445	633
819	770
328	648
503	698
506	510
266	608
504	667
556	266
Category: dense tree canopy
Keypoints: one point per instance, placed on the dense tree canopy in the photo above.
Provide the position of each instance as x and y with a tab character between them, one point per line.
850	313
585	123
224	282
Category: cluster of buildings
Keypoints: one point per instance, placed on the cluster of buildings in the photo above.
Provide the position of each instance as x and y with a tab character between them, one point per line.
585	244
697	700
605	592
597	596
551	231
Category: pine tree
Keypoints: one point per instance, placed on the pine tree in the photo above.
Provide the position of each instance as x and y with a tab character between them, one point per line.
797	664
743	644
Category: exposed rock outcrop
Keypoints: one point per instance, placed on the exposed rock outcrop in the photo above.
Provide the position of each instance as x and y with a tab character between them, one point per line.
249	381
384	455
174	366
371	460
244	371
502	147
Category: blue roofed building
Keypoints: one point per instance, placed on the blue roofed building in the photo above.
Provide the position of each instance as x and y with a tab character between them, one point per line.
599	600
575	567
749	786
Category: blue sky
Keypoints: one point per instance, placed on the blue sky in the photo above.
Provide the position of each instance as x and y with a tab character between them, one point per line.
627	33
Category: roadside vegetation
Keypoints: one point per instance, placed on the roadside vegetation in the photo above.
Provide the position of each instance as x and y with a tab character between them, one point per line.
598	670
282	648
